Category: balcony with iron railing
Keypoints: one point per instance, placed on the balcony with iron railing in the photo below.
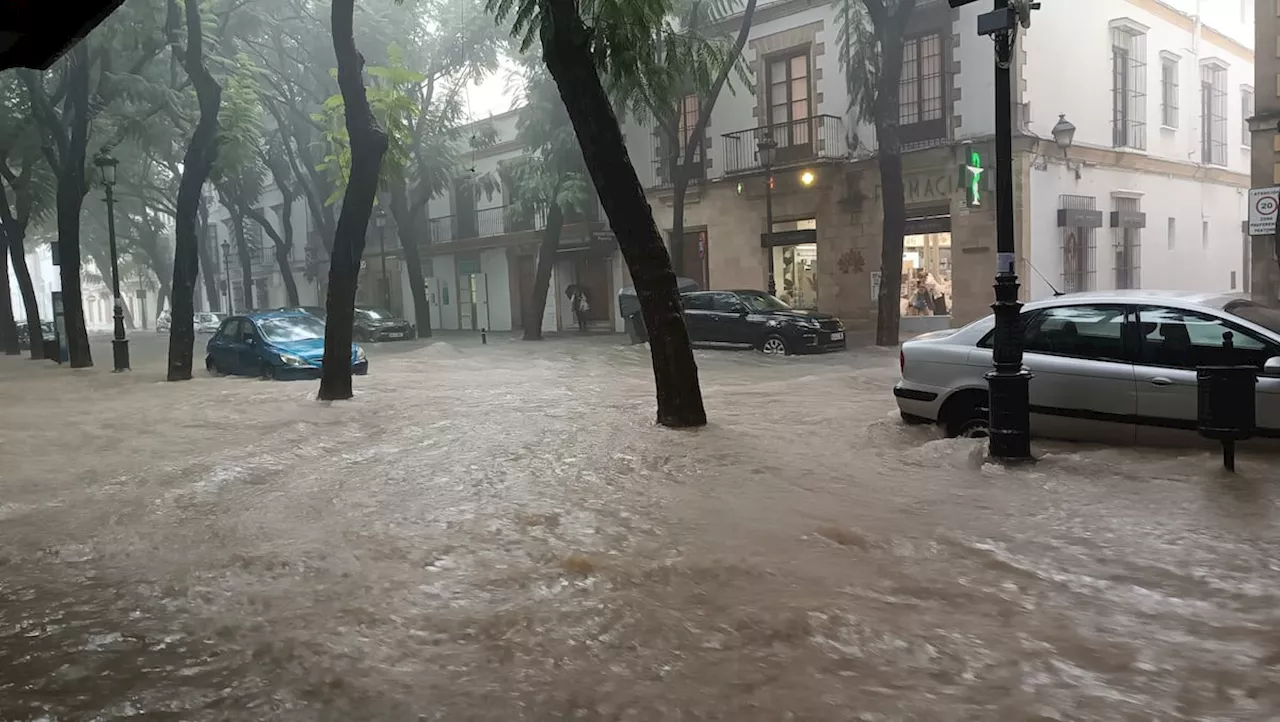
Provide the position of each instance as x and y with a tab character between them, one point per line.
820	137
662	162
492	222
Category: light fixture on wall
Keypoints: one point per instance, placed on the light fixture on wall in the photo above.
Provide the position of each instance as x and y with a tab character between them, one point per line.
1064	133
807	178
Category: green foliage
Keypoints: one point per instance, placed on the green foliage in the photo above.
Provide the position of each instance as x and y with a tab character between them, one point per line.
554	171
30	184
391	91
859	54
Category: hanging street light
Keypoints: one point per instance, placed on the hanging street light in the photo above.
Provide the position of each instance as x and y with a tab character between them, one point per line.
119	344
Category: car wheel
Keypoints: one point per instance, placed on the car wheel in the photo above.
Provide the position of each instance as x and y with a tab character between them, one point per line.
967	416
774	345
268	372
211	366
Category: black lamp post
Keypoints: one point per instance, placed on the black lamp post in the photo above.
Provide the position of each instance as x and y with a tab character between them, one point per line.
226	272
382	251
1008	382
119	344
766	146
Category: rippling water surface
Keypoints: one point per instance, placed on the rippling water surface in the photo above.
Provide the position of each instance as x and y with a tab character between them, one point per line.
500	533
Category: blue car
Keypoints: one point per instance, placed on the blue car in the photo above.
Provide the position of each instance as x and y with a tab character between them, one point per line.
273	345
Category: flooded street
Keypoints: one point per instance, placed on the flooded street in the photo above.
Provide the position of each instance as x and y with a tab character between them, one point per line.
501	533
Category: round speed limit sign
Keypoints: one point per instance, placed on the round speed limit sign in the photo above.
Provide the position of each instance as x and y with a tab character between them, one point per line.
1265	205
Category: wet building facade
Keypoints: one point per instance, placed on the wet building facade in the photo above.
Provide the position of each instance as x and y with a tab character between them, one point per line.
1147	189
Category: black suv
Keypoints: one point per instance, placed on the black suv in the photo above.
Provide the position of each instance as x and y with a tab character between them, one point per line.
759	320
378	324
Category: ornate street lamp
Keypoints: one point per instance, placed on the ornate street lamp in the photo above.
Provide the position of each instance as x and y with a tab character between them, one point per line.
766	146
119	344
1064	131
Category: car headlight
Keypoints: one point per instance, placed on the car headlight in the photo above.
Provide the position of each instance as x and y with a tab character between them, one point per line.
360	357
807	323
289	359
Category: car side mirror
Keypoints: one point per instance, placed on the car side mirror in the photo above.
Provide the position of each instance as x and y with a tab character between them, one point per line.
250	340
1272	366
740	310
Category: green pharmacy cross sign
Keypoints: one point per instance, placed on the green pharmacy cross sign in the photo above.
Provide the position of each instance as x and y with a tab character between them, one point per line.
971	179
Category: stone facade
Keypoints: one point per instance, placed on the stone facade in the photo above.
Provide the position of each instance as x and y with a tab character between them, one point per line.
844	202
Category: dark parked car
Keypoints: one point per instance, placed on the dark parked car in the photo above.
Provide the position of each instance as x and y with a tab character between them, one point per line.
378	324
316	311
47	331
759	320
273	345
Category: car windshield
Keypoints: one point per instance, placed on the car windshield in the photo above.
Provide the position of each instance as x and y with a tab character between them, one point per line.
1268	318
376	314
291	328
761	301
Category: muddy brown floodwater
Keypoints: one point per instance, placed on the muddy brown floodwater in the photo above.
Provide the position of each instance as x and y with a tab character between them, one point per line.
500	533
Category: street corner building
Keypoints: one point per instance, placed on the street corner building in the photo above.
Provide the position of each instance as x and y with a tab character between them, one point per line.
1137	180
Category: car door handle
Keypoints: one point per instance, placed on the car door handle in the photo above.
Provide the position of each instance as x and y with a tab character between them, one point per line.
1161	381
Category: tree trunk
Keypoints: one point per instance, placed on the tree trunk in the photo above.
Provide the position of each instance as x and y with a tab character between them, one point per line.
283	248
407	231
568	53
71	191
679	188
190	208
889	159
286	273
246	261
8	326
542	278
163	297
368	144
206	255
30	302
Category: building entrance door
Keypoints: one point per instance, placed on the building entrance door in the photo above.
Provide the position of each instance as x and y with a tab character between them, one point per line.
793	262
592	273
694	255
473	306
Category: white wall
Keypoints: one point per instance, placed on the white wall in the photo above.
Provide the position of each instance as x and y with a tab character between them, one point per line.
1069	71
977	77
1189	265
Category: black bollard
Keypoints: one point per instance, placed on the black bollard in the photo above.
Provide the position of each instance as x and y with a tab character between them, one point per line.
483	338
1227	403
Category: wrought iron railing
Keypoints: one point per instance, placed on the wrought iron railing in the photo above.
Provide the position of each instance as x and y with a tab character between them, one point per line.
489	222
798	141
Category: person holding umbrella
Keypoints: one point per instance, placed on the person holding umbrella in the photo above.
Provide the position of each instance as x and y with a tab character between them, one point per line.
577	295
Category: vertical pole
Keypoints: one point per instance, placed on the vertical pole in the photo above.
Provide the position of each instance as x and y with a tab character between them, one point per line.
1010	409
119	344
382	249
226	270
768	222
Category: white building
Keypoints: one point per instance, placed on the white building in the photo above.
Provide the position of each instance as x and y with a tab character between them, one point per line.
480	263
1166	137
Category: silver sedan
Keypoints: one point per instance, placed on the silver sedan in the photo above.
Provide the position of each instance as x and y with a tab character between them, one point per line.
1116	367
